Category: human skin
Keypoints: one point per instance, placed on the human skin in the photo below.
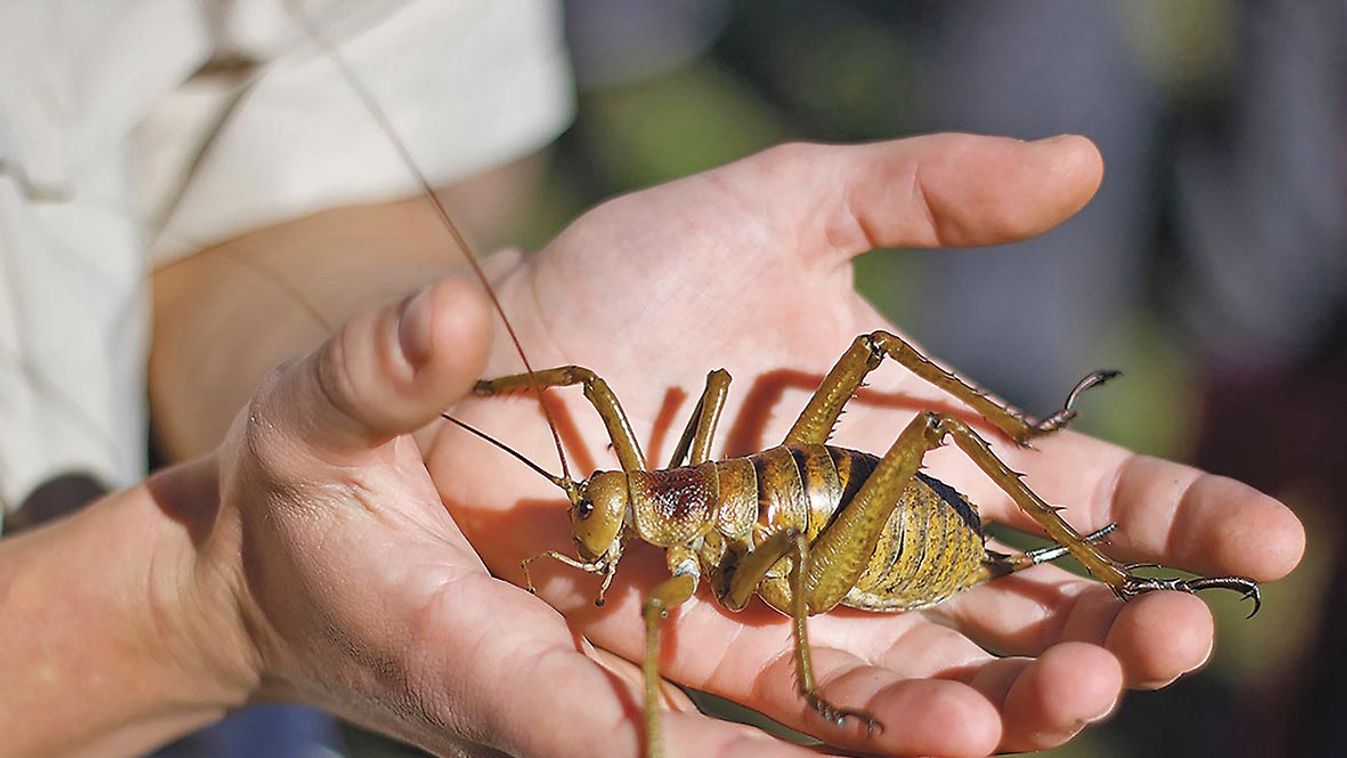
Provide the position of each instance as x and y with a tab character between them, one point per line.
311	555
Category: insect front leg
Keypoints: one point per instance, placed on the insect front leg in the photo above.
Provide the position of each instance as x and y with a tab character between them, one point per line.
596	391
819	417
606	566
701	428
670	594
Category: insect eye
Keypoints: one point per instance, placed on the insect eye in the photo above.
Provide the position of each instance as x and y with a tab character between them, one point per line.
583	509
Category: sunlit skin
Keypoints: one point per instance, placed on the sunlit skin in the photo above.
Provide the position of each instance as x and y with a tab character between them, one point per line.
748	268
320	554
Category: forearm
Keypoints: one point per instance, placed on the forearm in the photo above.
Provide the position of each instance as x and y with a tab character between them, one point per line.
225	316
102	619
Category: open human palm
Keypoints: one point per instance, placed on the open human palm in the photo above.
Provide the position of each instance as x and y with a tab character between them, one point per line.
747	267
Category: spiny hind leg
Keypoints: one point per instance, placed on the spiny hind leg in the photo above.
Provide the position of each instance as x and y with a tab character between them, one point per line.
1001	564
749	575
1120	577
596	391
840	553
816	423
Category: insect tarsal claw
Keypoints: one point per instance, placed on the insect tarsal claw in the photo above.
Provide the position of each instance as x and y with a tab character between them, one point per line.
1136	585
1256	596
838	716
1145	565
1092	379
1057	420
1247	588
1106	374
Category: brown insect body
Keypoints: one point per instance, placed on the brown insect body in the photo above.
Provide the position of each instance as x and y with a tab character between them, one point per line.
930	548
808	526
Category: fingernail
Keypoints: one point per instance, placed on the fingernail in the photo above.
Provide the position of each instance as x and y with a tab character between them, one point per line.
1105	713
414	328
1054	140
1206	658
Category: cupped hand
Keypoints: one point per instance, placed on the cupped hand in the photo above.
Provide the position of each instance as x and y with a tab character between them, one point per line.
356	591
747	267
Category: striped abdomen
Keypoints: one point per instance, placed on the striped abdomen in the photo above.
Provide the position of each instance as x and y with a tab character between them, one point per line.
930	548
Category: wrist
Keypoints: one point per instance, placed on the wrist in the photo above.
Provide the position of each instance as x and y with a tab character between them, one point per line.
193	605
125	637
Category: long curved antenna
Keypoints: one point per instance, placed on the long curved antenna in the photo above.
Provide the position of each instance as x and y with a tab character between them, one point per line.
441	212
469	428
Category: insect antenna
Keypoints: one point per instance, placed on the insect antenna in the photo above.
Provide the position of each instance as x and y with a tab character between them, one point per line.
469	428
381	119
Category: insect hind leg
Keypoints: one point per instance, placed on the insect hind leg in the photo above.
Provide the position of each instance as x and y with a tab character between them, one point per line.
1121	578
867	351
1000	564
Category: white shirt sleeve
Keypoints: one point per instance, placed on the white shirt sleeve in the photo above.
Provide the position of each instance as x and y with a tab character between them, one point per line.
467	85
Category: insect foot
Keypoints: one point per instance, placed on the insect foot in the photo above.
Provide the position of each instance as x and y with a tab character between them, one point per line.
1067	413
1139	585
838	716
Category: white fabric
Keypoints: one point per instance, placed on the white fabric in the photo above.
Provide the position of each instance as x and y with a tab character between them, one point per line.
110	150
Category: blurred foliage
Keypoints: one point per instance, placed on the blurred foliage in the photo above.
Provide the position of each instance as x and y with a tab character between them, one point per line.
1187	46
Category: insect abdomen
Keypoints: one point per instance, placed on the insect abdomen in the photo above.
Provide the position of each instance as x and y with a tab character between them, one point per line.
930	548
797	487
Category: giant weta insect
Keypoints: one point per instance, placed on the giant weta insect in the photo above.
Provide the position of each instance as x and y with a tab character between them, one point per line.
804	525
808	526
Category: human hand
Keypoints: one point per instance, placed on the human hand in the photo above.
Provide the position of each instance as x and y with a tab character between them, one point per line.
326	570
747	267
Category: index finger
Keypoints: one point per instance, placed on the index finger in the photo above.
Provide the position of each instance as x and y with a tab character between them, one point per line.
940	190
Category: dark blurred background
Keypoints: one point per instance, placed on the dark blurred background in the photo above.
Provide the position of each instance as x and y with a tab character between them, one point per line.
1211	266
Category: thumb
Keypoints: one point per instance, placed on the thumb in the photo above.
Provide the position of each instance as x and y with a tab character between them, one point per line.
388	371
938	190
